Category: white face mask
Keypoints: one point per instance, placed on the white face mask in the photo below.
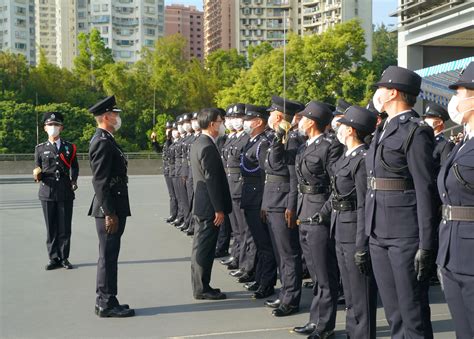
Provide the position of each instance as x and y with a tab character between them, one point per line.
221	129
377	100
187	127
180	129
229	124
334	123
118	123
195	125
248	127
301	130
453	111
238	124
53	131
340	134
175	134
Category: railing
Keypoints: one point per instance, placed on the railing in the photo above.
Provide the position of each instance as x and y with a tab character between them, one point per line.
81	156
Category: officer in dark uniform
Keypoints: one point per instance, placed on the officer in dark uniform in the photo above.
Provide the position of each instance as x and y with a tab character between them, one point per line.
166	168
110	206
172	167
253	176
279	202
57	171
436	116
338	113
186	168
347	204
400	214
456	231
314	167
179	184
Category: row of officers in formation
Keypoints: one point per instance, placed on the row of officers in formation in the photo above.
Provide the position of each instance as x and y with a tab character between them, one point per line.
346	194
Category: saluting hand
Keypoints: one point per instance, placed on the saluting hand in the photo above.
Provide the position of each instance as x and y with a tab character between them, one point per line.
219	218
153	136
111	224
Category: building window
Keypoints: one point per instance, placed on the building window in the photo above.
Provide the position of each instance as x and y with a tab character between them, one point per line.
150	31
19	45
105	7
96	8
81	15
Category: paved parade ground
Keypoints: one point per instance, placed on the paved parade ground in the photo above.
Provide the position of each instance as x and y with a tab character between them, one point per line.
154	278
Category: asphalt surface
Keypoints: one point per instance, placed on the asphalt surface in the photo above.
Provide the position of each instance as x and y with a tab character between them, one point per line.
154	278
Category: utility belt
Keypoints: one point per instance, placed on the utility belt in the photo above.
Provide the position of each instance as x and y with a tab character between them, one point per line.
312	189
457	213
232	170
389	184
56	175
344	205
118	180
252	180
277	178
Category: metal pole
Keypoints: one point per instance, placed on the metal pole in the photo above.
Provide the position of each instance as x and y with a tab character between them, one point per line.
284	61
37	123
154	108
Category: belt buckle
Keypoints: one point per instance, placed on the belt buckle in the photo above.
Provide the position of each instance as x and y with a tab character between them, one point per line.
372	183
448	212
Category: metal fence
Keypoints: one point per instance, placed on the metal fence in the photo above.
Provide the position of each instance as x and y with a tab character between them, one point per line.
81	156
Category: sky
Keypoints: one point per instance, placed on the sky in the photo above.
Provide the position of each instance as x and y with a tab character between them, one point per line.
381	9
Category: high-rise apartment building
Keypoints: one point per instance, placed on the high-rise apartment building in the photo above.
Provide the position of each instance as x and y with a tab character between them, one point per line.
187	21
126	26
17	28
219	25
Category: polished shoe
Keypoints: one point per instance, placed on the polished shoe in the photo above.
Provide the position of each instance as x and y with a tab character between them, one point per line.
321	335
180	226
252	286
245	278
96	308
216	290
273	303
190	232
213	295
263	292
227	261
237	273
52	264
221	254
66	264
177	222
170	219
233	266
285	310
309	328
115	312
308	284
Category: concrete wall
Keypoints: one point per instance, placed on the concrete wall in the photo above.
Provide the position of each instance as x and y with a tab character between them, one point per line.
135	167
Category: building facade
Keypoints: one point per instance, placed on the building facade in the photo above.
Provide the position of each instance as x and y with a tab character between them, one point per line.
219	25
187	21
17	28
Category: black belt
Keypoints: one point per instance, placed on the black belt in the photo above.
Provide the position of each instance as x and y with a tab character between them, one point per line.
232	170
388	184
458	213
276	178
344	205
252	180
310	189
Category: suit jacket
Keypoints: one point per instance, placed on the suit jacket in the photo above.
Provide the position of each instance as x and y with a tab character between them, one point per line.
59	169
409	213
109	176
211	190
456	188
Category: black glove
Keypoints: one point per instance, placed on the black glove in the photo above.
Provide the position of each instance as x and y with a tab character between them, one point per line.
424	260
280	133
320	219
362	261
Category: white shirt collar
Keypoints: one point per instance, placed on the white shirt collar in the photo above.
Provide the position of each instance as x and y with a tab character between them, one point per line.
348	152
313	139
240	133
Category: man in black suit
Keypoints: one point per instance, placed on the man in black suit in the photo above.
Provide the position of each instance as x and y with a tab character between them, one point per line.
212	202
110	206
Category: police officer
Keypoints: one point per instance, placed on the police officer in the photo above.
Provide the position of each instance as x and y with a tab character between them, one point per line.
179	183
166	168
279	202
110	206
253	176
456	231
347	220
57	171
186	168
172	168
338	113
436	116
314	167
400	215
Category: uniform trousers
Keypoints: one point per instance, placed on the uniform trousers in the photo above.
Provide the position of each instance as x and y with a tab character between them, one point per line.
58	217
172	194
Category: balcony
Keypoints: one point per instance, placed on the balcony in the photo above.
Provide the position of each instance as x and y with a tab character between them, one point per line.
102	19
278	3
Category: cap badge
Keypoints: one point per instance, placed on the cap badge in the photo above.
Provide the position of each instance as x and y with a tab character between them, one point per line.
53	116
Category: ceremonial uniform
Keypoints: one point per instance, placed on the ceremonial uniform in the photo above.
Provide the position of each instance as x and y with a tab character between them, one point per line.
178	181
59	171
456	231
400	215
314	166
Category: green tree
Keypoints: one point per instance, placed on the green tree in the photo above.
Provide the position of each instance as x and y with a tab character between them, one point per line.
225	66
256	51
14	73
17	127
384	49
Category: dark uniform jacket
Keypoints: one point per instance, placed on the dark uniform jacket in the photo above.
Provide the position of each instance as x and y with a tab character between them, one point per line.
185	147
314	167
232	164
59	169
456	188
171	155
211	190
178	157
252	171
109	176
164	155
404	152
349	187
442	148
